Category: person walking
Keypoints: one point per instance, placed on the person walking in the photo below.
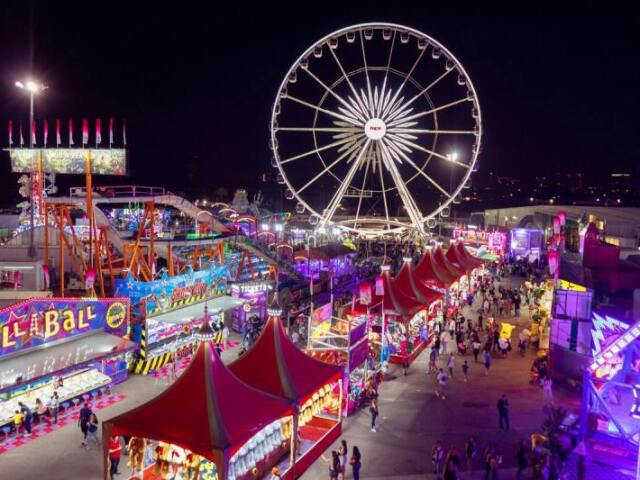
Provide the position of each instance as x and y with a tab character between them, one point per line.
451	363
437	459
487	361
343	452
83	422
355	462
92	430
442	384
115	451
521	459
432	361
373	409
503	412
547	390
470	450
27	415
465	371
54	403
475	346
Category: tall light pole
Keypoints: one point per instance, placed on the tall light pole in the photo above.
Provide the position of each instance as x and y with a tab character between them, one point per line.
33	88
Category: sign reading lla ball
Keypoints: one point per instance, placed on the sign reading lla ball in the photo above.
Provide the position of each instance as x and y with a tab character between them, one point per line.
41	321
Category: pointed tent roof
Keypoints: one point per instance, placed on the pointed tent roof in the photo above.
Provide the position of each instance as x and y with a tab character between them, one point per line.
464	254
428	270
207	410
443	262
454	257
408	284
404	304
276	366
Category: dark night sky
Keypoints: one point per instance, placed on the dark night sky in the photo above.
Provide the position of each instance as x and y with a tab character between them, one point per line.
558	88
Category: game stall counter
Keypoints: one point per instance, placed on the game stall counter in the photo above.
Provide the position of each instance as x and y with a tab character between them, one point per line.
344	342
75	346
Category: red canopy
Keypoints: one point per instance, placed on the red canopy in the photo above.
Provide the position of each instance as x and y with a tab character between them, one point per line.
403	304
207	410
455	256
275	365
428	270
471	259
408	284
443	262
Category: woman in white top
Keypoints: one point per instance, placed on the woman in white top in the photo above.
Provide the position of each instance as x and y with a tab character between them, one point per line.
343	452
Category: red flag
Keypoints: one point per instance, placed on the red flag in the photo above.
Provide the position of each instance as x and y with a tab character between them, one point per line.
110	131
33	132
70	126
21	137
46	132
124	132
58	138
85	131
10	132
98	131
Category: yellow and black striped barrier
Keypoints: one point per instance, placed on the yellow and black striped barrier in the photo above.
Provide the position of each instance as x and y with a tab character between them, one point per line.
178	304
145	366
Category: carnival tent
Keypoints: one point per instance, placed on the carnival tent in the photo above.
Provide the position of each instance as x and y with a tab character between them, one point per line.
275	365
443	262
208	410
428	271
395	300
466	255
455	256
407	282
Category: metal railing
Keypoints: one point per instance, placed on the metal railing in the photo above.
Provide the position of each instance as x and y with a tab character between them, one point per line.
120	191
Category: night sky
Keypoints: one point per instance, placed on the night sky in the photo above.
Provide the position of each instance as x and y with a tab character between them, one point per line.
558	88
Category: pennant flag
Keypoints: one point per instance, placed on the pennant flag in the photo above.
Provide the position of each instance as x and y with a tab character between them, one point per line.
70	126
46	132
58	137
124	132
21	137
110	131
10	132
98	131
85	131
33	132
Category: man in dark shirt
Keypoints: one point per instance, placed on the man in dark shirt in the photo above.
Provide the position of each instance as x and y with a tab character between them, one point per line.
83	422
503	412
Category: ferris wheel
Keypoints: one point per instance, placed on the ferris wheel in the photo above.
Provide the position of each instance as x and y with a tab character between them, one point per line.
376	129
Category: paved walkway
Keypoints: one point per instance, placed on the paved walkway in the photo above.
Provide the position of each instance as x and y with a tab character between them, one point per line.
411	419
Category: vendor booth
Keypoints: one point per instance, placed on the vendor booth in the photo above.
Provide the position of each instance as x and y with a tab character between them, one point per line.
312	388
344	341
74	346
255	294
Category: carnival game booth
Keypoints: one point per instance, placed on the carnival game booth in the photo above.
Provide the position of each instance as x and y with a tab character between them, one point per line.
344	341
75	346
610	407
256	294
208	425
400	326
313	389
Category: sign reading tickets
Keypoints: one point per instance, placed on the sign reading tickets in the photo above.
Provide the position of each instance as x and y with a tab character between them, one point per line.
104	161
37	321
168	293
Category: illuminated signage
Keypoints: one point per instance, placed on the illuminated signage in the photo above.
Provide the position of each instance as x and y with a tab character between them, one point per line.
40	321
104	161
565	285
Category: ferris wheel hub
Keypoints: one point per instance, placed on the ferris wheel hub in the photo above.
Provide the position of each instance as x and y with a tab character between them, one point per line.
375	129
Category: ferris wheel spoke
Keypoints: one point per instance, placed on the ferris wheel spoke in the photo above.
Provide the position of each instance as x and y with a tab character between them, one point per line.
381	103
395	111
383	187
402	155
410	144
346	78
364	181
346	154
324	110
319	149
354	113
433	132
339	195
427	112
404	82
405	195
319	129
372	110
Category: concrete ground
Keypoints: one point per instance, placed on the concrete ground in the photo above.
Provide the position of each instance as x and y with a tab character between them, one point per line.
411	419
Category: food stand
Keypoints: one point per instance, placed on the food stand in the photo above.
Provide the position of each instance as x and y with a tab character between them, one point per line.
75	346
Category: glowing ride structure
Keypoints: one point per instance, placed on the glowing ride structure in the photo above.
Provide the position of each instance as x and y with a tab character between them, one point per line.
376	129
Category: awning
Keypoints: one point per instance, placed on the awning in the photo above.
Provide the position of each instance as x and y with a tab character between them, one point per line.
49	359
428	270
443	262
407	283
